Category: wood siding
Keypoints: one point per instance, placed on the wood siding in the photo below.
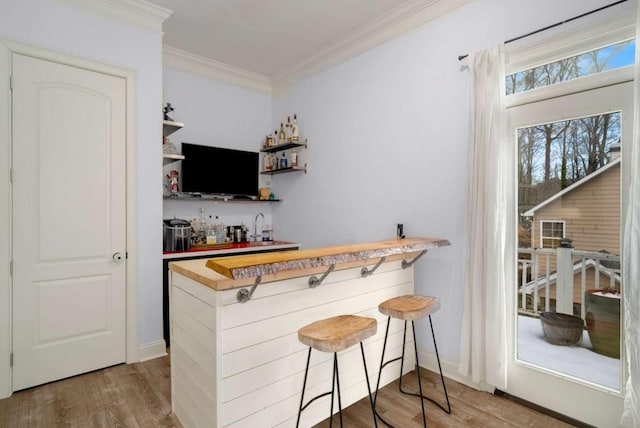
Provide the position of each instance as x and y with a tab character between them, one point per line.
591	213
241	364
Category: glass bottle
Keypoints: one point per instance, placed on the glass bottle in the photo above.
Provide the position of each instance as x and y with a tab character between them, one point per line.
295	131
282	138
294	159
288	130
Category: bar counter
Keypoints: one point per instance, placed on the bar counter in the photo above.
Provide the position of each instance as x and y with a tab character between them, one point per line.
235	357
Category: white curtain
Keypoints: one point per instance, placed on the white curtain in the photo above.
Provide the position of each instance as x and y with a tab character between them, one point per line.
483	355
631	254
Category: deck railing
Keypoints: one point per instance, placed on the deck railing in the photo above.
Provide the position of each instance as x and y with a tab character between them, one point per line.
539	269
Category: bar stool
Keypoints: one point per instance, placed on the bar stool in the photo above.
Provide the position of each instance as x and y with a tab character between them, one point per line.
334	335
412	308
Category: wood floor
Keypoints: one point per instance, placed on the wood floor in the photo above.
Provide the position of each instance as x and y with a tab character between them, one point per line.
138	395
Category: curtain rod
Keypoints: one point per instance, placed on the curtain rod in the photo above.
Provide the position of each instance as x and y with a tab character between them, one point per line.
557	24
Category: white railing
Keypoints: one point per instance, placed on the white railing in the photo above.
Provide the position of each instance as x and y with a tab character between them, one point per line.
539	269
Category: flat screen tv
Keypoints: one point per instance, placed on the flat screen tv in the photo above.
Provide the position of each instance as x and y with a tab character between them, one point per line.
217	170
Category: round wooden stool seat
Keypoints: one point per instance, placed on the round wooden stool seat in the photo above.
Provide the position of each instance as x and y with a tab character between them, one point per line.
410	307
337	333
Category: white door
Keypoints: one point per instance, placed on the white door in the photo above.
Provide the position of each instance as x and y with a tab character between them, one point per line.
574	381
68	221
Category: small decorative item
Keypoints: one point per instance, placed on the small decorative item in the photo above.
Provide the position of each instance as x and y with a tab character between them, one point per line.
173	181
264	193
168	147
168	112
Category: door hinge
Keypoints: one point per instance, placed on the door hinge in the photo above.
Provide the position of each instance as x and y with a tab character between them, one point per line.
11	360
10	175
11	268
126	255
11	82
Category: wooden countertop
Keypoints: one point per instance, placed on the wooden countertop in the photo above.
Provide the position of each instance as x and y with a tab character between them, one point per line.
238	271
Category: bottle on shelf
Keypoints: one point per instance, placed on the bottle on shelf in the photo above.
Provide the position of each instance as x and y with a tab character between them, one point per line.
282	138
283	162
267	162
288	130
202	230
295	131
294	159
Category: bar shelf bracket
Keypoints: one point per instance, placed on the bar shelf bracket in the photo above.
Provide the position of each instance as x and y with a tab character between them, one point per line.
314	281
364	272
406	264
243	295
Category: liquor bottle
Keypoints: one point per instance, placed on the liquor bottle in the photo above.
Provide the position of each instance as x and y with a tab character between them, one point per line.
281	135
295	131
294	159
288	130
283	162
267	162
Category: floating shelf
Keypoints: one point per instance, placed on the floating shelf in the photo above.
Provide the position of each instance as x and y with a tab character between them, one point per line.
169	127
214	198
170	158
282	147
285	170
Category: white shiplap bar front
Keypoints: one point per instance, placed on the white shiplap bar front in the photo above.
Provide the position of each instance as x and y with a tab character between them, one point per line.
241	365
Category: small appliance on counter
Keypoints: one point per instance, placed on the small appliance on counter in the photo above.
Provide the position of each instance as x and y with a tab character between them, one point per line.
177	235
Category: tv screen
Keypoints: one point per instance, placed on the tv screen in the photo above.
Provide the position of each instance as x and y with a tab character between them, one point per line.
218	170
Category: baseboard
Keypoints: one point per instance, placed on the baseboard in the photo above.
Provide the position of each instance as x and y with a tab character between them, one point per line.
449	370
152	350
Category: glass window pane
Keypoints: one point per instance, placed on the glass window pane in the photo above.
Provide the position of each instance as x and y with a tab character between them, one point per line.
597	61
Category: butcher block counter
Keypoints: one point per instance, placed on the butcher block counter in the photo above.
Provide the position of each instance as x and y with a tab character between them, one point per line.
235	357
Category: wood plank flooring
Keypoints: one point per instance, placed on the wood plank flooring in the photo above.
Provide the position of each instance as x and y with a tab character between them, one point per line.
139	395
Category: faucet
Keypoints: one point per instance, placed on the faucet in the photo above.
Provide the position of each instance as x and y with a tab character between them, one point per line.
255	227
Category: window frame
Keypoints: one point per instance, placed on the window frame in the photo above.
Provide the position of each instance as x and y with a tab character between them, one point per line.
542	237
543	50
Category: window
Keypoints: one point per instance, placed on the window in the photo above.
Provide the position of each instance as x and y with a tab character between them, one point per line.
596	61
551	232
570	107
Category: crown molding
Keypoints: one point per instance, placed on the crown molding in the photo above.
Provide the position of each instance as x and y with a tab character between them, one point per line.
209	68
391	25
137	12
387	27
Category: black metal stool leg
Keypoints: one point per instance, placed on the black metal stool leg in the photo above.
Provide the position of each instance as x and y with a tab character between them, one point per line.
444	386
404	344
448	409
366	376
415	347
382	365
384	347
335	361
304	384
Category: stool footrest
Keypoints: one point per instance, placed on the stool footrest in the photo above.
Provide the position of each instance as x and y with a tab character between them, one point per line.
314	399
447	411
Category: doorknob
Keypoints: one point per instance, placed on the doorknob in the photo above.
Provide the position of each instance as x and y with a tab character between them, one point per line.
117	257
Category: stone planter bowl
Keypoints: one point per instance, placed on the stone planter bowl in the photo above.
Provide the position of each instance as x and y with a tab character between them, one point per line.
562	329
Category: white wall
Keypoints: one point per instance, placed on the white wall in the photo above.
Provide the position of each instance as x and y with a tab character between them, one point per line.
220	115
62	28
388	133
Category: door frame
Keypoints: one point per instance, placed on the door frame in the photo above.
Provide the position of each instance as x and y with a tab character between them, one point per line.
7	49
526	380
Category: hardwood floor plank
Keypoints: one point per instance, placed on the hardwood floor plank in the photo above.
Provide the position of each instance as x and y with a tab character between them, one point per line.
139	396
